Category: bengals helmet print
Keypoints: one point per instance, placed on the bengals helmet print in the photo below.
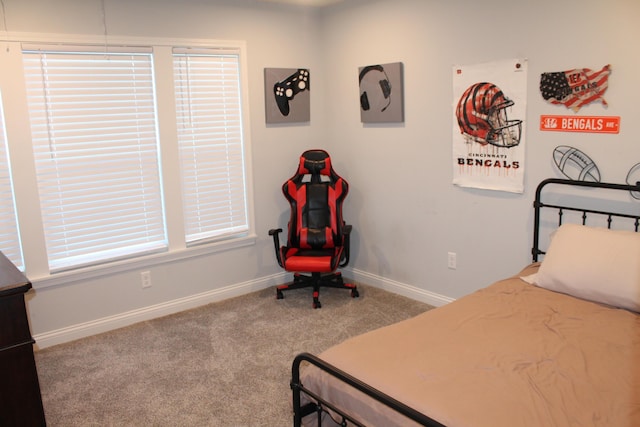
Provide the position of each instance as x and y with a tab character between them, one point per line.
482	116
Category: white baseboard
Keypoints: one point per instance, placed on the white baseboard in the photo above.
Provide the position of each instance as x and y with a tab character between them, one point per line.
399	288
83	330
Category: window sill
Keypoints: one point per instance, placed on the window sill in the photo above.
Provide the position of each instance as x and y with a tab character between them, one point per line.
94	272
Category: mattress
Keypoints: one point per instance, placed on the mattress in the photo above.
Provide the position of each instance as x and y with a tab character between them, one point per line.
511	354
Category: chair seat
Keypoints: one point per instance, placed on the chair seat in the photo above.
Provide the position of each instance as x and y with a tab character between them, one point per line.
312	260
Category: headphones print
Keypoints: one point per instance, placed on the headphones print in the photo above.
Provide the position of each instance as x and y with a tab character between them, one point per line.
384	83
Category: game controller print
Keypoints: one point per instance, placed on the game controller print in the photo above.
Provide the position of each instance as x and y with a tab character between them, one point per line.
287	89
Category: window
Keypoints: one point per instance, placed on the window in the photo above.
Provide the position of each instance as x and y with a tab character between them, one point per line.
9	238
209	122
93	125
102	159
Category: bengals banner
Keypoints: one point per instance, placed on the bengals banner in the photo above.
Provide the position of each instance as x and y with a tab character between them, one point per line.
489	108
575	88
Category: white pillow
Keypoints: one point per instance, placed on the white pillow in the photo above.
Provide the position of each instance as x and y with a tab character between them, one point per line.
596	264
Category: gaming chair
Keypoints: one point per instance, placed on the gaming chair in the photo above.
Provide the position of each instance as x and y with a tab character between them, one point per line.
317	238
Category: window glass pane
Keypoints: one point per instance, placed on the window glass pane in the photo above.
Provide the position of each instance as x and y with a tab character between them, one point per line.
9	237
94	130
209	119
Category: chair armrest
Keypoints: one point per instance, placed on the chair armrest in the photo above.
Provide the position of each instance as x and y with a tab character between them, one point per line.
346	243
275	233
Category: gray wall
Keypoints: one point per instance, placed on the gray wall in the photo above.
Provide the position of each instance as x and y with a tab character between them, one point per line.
406	213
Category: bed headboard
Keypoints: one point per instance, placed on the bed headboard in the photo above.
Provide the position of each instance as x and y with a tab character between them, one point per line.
621	210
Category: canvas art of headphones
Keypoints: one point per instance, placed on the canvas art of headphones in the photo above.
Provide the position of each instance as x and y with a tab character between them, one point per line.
383	82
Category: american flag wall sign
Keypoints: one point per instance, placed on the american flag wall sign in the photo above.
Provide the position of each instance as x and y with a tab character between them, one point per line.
575	88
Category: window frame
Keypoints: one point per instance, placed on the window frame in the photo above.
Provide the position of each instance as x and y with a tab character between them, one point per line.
10	226
195	134
20	148
94	135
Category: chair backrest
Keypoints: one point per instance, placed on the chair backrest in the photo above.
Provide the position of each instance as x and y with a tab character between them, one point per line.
315	193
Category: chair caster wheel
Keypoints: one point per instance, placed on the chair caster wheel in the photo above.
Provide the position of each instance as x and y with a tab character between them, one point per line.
279	294
354	293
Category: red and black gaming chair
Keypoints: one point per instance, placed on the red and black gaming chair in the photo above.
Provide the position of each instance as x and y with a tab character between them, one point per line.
318	238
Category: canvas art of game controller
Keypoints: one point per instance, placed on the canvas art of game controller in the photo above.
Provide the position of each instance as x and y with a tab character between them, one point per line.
285	90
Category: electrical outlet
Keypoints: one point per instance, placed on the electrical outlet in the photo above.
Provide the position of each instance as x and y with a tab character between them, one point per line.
452	260
145	279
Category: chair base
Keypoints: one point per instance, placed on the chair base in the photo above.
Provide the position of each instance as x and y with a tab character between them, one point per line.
317	281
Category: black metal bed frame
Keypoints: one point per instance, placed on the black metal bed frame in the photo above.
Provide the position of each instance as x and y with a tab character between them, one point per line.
320	406
538	205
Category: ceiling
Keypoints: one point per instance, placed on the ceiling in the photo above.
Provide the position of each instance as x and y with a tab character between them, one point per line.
318	3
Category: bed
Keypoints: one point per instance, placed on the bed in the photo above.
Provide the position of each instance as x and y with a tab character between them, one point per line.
557	344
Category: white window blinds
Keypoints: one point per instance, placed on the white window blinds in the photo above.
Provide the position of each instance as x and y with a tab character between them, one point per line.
209	121
94	130
9	238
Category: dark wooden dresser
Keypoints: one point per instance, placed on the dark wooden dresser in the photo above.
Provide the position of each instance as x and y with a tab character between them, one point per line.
20	399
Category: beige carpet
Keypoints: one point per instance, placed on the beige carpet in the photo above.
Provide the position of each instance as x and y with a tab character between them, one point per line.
224	364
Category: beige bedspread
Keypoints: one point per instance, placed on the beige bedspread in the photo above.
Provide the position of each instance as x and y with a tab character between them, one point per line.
509	355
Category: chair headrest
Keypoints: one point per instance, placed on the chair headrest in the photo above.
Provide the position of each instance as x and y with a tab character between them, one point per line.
315	162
